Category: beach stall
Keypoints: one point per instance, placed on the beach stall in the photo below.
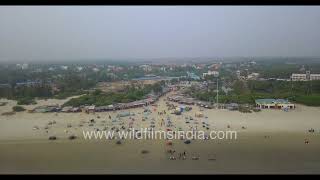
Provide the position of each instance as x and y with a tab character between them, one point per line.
43	109
274	104
91	109
176	112
199	114
182	108
125	114
75	109
66	109
232	106
40	109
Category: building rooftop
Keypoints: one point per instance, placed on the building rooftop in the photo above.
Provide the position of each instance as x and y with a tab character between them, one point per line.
271	101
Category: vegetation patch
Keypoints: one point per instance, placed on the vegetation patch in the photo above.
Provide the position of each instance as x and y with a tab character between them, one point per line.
311	100
100	98
8	113
18	108
26	101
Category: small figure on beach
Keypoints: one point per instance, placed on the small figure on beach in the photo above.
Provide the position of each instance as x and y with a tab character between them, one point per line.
72	137
311	130
52	138
195	158
171	151
306	141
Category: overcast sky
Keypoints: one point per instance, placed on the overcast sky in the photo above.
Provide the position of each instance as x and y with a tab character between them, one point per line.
89	32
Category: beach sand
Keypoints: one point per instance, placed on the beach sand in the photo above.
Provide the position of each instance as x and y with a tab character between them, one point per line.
24	150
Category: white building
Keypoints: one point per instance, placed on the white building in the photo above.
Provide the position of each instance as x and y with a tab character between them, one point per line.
64	67
95	69
79	68
146	68
305	77
314	77
252	62
238	73
298	77
209	73
24	66
253	76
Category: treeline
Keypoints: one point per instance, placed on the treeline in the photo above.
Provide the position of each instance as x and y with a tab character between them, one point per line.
281	70
25	94
67	85
73	84
307	92
131	93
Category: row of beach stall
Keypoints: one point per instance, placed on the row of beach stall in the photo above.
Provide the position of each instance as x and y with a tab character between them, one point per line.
92	108
181	99
151	99
189	101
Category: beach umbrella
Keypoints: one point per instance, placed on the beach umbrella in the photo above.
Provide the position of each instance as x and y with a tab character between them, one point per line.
144	152
72	137
52	138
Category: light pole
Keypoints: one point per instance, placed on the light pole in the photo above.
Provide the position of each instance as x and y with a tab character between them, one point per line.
217	93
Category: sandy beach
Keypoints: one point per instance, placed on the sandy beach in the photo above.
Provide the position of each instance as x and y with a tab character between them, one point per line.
25	150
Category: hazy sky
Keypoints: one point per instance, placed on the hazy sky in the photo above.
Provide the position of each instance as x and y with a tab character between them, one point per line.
88	32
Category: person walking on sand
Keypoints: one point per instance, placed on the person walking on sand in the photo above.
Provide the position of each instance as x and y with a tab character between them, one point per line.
172	152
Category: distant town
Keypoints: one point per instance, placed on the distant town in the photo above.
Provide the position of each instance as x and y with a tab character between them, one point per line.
215	84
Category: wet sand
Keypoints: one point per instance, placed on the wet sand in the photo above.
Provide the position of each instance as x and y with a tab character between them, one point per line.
284	153
23	150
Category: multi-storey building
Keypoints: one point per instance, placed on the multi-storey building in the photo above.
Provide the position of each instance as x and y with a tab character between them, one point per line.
305	77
